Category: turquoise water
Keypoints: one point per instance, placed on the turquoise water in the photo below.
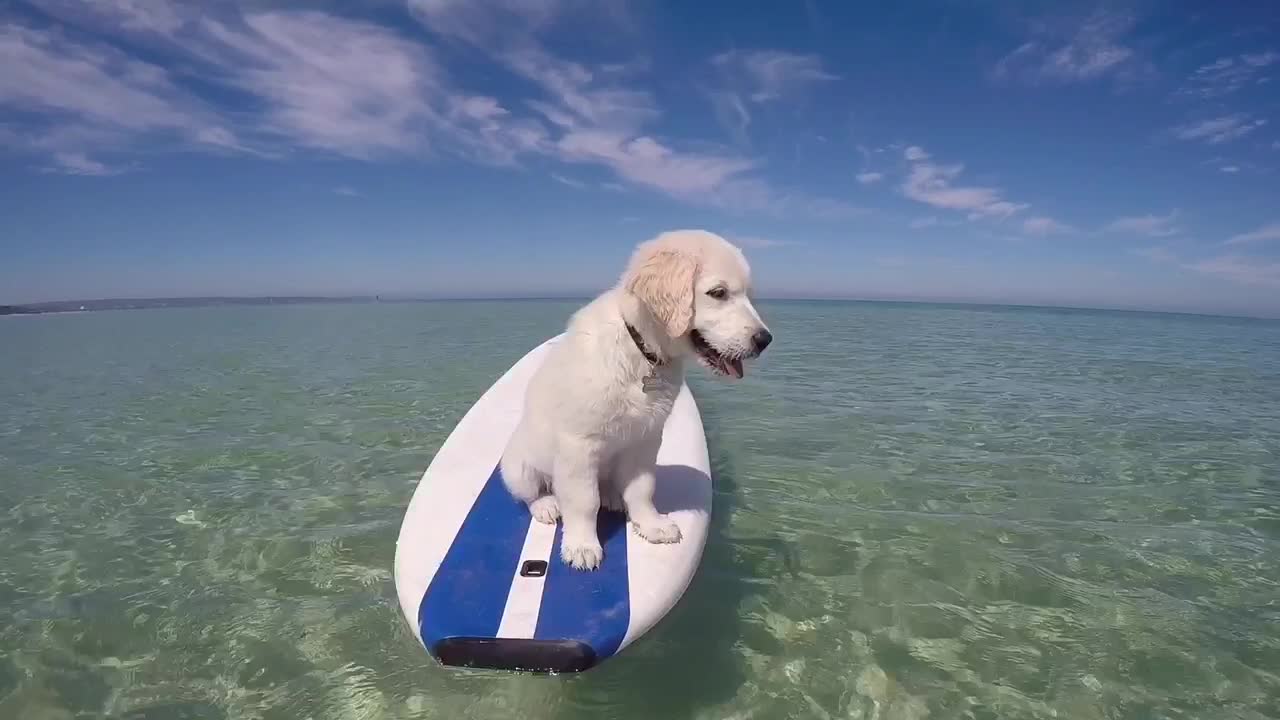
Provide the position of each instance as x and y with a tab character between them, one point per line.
922	511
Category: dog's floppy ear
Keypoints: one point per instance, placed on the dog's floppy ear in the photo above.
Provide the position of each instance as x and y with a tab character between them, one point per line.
663	280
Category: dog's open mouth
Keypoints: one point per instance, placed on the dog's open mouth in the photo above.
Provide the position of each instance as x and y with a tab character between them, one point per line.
718	363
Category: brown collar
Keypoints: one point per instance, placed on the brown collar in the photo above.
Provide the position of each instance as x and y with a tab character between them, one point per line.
649	355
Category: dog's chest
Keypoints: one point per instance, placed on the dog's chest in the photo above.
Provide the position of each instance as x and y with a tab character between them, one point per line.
645	404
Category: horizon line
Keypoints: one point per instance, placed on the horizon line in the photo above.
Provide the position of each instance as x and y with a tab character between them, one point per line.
154	302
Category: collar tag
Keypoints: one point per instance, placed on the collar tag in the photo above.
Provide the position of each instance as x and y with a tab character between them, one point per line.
651	382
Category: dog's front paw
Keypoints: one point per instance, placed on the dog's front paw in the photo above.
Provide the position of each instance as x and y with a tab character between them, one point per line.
661	530
583	555
545	510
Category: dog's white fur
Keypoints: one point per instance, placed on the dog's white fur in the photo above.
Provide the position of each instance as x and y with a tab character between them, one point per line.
590	431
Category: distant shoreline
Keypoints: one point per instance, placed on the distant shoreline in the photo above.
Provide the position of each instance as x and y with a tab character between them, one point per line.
76	306
61	306
17	310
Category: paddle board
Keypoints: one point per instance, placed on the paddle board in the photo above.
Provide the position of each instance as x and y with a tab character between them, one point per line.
482	584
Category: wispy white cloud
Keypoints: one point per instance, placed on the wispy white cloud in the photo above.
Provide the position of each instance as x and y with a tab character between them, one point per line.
480	23
732	114
915	153
346	191
597	115
306	79
94	97
869	153
870	178
743	78
570	182
1215	131
921	223
361	90
1043	226
1240	269
1149	225
1266	233
1228	75
646	161
768	75
482	129
144	17
349	87
317	81
74	163
1234	268
1156	253
598	119
1230	166
601	122
582	98
1074	52
933	184
496	24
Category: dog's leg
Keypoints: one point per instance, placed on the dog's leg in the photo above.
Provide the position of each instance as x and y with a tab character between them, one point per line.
576	483
611	490
522	480
611	500
526	483
636	478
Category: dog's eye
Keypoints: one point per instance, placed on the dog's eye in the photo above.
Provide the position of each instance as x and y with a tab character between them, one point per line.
718	293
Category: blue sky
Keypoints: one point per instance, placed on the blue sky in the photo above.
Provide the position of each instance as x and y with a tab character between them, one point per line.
1108	154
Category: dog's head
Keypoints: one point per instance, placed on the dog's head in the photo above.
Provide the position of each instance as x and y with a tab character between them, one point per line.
698	286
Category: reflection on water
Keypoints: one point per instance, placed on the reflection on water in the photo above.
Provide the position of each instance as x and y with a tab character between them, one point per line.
921	511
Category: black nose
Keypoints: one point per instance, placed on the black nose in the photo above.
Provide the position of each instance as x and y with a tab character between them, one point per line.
761	340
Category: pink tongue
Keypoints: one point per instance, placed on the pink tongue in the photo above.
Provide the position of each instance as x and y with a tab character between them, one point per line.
735	368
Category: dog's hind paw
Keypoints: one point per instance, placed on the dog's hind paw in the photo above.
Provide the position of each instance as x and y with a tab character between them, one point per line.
581	555
545	510
660	531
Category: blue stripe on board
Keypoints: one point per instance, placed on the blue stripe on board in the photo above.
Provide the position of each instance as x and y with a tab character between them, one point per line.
592	607
468	593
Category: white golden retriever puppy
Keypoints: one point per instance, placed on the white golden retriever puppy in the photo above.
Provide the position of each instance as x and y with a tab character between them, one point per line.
594	411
